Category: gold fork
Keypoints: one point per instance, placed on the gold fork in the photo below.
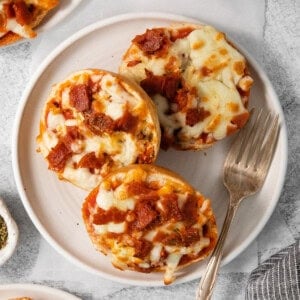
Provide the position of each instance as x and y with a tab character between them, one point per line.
245	169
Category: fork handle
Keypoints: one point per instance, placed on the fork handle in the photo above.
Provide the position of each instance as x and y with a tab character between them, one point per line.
206	285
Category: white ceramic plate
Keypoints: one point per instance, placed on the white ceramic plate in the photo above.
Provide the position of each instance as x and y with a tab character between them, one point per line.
54	206
34	291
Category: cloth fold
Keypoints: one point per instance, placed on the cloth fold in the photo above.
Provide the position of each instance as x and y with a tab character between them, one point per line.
277	277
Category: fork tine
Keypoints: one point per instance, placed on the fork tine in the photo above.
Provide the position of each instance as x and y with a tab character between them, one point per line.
269	146
257	142
242	135
248	140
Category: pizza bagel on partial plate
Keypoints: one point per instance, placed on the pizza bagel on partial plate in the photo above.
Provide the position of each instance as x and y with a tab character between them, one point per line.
19	18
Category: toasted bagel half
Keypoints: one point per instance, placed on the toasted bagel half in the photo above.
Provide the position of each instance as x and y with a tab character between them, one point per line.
148	219
198	80
94	122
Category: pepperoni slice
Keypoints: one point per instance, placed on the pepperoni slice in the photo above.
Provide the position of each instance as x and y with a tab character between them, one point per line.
23	15
181	98
99	123
58	156
9	10
171	209
190	236
195	115
151	41
173	239
145	215
91	161
80	97
190	209
127	122
105	216
138	188
142	248
166	85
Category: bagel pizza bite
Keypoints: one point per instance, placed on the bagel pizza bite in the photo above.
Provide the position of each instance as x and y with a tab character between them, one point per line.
18	18
148	219
96	121
198	80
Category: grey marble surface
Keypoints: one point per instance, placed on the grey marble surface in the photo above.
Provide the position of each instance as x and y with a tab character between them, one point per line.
270	31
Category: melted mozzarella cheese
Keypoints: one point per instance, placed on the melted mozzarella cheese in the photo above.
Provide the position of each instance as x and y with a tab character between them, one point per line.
13	26
71	122
150	235
197	247
172	262
106	199
144	265
115	110
110	227
168	121
155	253
128	153
116	92
205	206
55	120
49	141
77	146
94	144
81	177
65	97
181	200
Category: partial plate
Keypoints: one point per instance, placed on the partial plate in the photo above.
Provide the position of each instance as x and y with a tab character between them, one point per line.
55	206
58	14
33	291
55	16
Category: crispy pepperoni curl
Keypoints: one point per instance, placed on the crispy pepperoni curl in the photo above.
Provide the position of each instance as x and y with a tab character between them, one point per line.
190	209
91	161
184	237
171	209
18	10
127	122
99	123
166	85
105	216
151	41
9	10
145	215
138	188
23	15
58	156
81	97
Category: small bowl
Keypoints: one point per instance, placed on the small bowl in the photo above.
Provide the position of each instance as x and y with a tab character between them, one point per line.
13	234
